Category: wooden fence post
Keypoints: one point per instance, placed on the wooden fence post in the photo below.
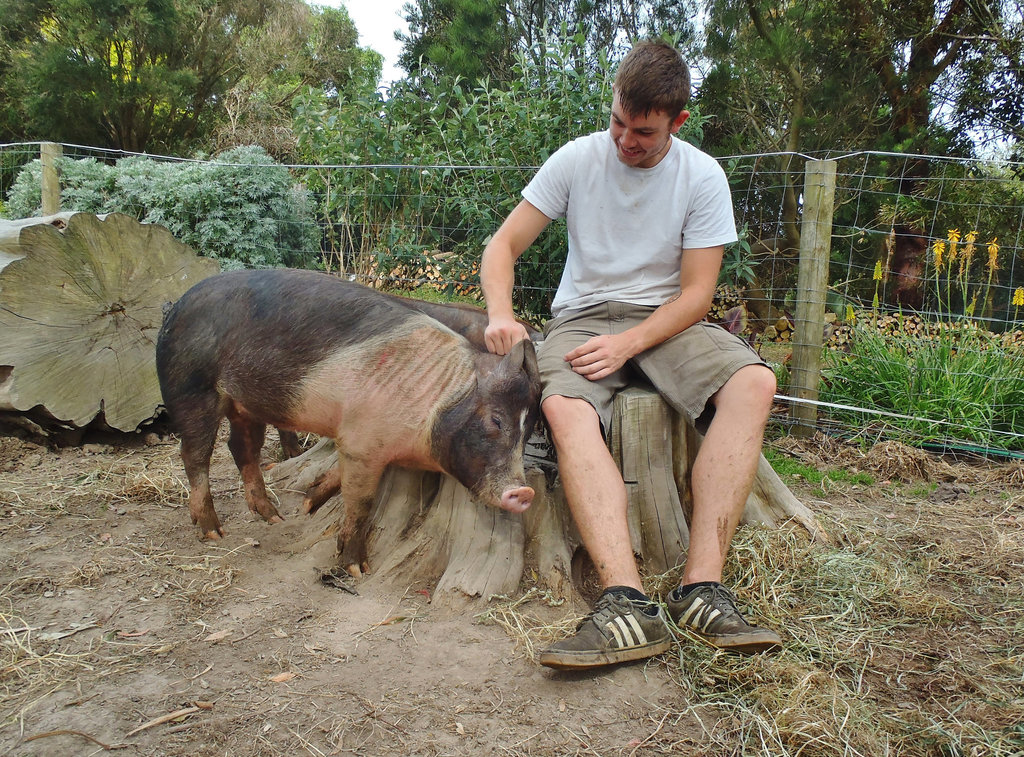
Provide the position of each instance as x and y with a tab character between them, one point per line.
812	286
49	152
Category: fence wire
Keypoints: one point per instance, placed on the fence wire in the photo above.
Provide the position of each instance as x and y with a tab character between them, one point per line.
922	338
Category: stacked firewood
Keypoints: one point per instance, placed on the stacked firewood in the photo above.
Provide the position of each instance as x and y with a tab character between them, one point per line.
441	271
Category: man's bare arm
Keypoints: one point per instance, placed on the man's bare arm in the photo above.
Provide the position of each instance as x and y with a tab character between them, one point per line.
497	274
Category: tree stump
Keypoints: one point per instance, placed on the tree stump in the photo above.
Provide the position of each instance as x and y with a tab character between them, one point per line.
80	308
425	527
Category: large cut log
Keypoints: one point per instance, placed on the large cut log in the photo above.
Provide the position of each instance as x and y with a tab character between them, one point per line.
425	529
80	307
10	234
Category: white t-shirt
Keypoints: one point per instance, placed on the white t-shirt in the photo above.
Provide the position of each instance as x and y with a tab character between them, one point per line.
628	226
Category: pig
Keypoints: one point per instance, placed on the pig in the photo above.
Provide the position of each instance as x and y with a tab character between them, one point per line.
306	351
468	320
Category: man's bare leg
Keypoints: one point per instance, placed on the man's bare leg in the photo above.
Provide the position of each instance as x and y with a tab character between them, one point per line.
724	469
624	625
721	478
593	488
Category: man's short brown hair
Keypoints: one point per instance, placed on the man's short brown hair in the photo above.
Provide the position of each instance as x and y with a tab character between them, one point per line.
653	77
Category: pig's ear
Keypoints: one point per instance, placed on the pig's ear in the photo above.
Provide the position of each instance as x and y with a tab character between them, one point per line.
530	360
523	357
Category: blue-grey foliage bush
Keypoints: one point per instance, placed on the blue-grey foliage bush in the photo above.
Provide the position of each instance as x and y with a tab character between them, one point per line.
241	208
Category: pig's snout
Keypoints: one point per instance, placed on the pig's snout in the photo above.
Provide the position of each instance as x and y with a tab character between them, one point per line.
517	500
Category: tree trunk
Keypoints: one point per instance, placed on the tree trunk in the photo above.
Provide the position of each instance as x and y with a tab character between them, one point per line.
81	302
425	527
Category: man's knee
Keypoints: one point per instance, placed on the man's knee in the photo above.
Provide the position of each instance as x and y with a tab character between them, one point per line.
565	412
752	385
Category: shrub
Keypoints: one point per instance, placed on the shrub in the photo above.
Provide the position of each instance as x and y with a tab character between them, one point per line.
241	209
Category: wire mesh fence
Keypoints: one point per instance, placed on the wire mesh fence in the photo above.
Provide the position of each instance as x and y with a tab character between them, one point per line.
921	338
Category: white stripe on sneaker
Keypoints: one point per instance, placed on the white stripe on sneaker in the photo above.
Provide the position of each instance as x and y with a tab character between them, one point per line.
694	608
627	631
709	618
638	632
627	635
613	628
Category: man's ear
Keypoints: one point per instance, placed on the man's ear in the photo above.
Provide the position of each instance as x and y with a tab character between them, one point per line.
678	121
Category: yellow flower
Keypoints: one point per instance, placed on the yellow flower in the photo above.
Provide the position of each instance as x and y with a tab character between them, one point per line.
968	249
1018	296
877	275
938	248
993	255
954	236
851	316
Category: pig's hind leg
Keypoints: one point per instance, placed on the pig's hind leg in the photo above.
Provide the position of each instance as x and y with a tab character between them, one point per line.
197	423
246	444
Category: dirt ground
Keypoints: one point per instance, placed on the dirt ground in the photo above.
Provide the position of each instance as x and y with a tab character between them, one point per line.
137	619
123	632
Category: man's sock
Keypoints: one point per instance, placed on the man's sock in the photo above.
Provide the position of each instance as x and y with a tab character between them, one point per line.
634	596
680	592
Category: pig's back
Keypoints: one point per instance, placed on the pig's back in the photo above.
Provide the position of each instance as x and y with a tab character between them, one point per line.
276	340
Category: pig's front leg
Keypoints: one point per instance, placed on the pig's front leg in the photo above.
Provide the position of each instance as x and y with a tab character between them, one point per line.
359	479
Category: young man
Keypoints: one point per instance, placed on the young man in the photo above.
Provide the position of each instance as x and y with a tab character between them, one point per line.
648	217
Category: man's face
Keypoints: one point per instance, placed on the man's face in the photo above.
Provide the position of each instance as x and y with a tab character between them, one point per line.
642	141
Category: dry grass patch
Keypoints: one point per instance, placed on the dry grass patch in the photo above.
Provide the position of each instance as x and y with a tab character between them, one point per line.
904	637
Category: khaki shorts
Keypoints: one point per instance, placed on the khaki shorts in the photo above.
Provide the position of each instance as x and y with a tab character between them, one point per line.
686	369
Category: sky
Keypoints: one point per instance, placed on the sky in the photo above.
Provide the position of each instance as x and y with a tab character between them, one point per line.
377	21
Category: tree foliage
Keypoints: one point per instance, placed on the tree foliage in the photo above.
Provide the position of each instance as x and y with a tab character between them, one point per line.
918	76
155	74
477	39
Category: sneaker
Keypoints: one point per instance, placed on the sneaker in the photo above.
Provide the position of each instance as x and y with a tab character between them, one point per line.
711	612
618	630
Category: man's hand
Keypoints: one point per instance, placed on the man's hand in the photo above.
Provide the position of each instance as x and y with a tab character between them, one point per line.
502	334
600	356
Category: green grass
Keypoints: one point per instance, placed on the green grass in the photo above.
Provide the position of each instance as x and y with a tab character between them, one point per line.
959	388
790	467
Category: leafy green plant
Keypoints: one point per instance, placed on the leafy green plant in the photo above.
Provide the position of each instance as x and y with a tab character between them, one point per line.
738	262
957	386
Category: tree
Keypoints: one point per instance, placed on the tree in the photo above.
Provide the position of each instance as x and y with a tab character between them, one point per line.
482	38
154	74
919	76
297	48
462	38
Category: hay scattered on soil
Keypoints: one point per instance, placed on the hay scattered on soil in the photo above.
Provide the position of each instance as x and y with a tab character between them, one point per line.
895	461
903	637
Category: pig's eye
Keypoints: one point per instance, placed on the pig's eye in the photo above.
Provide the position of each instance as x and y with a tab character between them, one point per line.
496	421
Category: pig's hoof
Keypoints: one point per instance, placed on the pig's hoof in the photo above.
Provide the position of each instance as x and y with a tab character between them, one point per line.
214	534
307	506
275	518
357	570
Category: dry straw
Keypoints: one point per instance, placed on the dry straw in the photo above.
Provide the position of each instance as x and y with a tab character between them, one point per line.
904	637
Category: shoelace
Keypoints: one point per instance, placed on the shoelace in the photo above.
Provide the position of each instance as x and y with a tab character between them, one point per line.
720	594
